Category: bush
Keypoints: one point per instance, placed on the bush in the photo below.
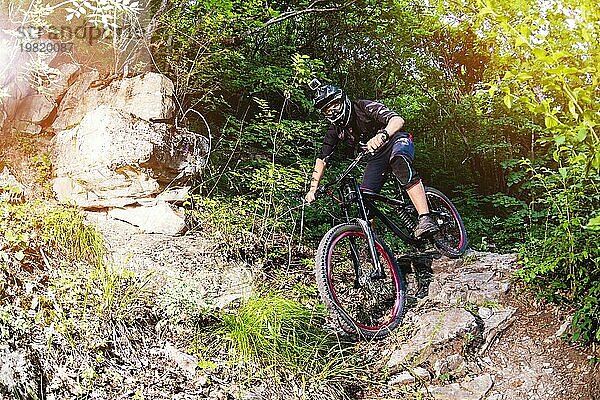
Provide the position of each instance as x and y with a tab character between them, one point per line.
561	257
32	231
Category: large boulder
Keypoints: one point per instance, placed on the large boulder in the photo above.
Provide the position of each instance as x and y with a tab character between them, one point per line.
35	111
148	97
112	158
30	87
159	218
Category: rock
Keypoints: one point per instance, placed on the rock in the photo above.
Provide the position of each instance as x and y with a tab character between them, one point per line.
452	392
478	282
111	159
148	97
433	329
27	107
17	88
421	373
474	389
32	110
403	378
76	102
13	80
479	385
497	322
453	365
186	362
485	312
60	85
36	108
160	218
188	272
176	195
563	328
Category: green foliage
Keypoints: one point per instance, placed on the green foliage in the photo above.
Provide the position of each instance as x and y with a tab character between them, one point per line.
65	230
282	335
183	302
82	301
497	222
56	290
561	258
43	166
27	228
542	86
548	74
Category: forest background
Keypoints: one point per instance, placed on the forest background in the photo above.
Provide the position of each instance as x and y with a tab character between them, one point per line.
501	98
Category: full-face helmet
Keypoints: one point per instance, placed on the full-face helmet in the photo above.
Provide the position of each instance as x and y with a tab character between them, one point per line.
333	103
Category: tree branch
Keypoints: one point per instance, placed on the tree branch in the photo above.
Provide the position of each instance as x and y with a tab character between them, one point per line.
237	40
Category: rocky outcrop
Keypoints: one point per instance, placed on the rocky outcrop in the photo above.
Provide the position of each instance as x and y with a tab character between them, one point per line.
93	161
110	151
159	218
113	145
470	338
31	109
148	97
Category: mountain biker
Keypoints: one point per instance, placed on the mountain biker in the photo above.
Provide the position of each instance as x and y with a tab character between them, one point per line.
390	147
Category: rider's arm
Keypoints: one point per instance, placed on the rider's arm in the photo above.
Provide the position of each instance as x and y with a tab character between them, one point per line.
315	179
383	116
394	125
330	142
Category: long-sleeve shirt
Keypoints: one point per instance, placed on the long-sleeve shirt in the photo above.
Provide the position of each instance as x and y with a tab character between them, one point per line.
368	117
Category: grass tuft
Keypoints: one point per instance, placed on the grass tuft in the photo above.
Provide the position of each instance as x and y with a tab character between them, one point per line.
276	334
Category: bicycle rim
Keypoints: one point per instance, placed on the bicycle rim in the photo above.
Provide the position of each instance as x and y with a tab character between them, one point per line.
369	306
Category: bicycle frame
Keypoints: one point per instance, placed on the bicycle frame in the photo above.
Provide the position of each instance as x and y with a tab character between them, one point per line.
365	201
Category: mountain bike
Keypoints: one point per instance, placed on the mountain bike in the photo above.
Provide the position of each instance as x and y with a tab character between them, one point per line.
357	274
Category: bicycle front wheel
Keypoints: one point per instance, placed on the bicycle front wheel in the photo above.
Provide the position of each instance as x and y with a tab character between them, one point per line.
363	305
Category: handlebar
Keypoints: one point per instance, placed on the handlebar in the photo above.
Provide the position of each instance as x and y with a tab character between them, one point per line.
326	189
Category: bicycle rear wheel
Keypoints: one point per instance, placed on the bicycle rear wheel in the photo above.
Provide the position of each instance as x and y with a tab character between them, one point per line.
451	240
363	306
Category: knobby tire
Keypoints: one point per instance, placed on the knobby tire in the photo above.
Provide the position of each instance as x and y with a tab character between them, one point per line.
372	309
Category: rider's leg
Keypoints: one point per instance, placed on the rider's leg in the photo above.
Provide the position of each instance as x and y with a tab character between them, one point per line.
375	171
418	197
401	165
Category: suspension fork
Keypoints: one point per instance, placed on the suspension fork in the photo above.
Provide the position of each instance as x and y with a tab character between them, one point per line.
378	272
353	248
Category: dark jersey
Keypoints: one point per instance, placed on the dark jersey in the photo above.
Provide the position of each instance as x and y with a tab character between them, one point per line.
367	118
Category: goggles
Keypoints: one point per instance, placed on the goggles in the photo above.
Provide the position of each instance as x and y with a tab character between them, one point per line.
333	109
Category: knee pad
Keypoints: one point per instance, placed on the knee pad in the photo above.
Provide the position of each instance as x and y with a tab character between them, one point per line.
403	170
